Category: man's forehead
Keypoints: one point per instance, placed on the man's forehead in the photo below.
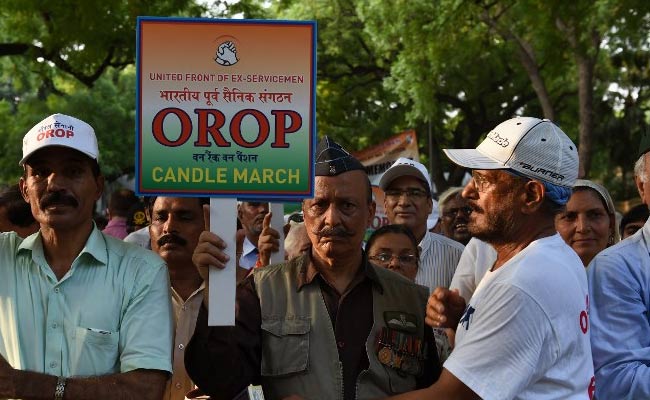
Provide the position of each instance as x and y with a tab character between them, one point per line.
176	203
56	154
407	181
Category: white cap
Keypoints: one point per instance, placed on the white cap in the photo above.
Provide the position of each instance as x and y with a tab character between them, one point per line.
61	130
535	148
404	167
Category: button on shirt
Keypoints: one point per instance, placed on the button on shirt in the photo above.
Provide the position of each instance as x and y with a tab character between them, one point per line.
185	314
110	313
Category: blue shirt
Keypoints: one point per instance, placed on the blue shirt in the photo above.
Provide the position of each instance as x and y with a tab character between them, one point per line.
110	313
619	290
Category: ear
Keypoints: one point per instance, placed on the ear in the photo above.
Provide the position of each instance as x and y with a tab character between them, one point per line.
372	208
22	184
639	187
533	193
100	187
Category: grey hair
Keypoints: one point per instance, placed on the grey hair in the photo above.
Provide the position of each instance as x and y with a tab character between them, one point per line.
639	168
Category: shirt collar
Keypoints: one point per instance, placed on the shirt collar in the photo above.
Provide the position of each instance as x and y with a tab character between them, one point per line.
195	293
307	272
95	246
425	244
247	247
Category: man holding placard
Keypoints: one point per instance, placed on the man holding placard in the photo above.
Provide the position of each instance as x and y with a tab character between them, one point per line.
325	325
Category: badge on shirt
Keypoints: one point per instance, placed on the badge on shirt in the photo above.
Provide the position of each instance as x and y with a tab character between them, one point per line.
401	321
401	351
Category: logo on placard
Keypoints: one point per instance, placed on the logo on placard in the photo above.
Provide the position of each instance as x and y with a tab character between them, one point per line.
226	54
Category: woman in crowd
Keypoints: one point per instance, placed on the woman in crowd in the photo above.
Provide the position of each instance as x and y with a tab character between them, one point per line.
394	247
588	224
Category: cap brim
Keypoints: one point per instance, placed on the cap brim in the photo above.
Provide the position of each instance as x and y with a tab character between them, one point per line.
31	153
397	171
472	159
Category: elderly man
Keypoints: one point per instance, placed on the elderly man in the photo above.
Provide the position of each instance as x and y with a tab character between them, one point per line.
82	314
325	325
619	283
525	331
454	213
407	201
176	223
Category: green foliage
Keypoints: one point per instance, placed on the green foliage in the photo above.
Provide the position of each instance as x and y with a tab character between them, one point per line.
453	67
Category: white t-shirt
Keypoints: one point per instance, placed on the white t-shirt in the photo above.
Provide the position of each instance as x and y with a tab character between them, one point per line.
524	334
477	258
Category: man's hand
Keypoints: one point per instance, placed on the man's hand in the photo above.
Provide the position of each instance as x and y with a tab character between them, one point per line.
7	381
444	308
209	251
268	242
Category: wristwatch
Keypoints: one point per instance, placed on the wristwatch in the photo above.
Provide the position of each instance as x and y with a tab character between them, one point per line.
59	391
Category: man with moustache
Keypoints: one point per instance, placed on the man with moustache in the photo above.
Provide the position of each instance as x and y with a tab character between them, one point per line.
324	325
525	332
82	314
176	223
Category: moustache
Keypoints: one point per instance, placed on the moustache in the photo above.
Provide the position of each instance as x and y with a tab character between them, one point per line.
171	238
334	231
58	198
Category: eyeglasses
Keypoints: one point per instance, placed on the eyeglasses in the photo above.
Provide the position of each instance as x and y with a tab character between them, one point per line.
296	217
480	182
402	259
452	212
395	194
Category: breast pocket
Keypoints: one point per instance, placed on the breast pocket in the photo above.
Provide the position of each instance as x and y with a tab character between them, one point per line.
285	346
95	352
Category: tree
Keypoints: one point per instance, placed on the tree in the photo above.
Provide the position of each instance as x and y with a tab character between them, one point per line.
80	38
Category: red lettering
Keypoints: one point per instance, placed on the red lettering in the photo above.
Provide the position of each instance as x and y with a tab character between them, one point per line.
214	129
584	317
211	128
584	322
592	388
295	123
159	131
262	123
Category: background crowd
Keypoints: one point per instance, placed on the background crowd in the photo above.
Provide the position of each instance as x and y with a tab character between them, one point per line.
492	302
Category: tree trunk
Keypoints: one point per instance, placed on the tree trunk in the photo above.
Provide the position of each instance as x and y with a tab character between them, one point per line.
528	60
585	99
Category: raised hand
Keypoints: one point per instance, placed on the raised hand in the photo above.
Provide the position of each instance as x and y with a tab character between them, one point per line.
444	308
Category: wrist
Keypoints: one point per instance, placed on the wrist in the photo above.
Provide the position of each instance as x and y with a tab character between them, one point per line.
59	389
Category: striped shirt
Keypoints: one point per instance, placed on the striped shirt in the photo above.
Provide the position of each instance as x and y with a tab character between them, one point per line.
439	257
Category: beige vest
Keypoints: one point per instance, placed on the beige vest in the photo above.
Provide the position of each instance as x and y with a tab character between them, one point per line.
299	352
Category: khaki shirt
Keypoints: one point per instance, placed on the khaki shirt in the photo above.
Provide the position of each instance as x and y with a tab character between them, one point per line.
185	313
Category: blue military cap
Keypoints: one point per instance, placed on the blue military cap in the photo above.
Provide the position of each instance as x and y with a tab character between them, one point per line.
332	159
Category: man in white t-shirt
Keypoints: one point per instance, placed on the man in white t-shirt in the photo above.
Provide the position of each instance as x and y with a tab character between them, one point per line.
525	332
